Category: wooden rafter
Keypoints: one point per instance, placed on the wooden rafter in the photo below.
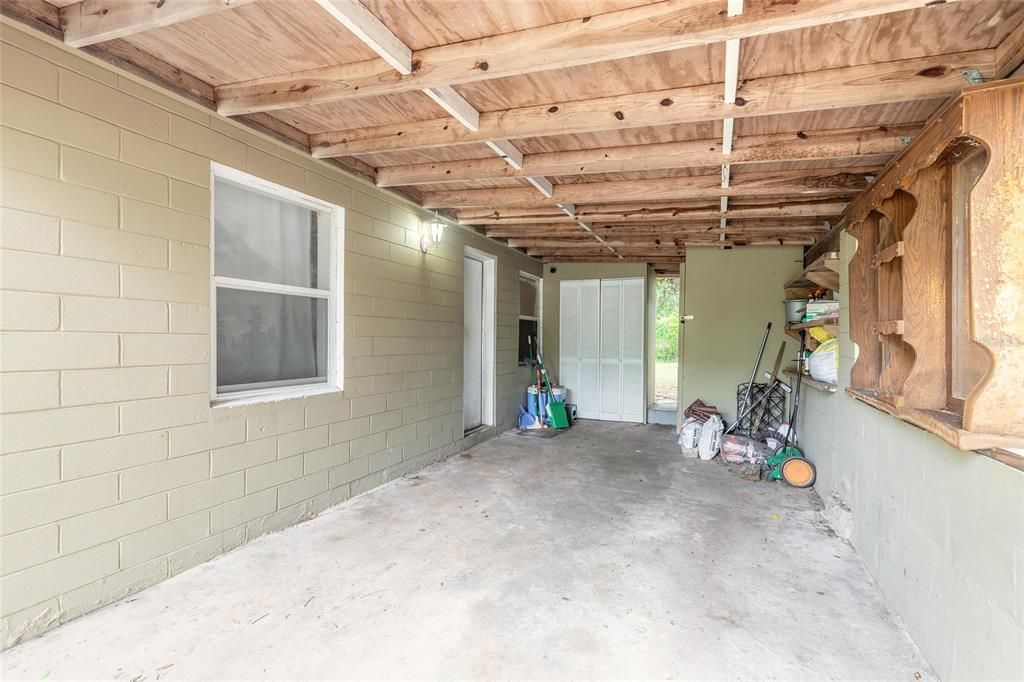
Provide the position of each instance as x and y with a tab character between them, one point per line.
96	21
648	29
653	211
807	183
372	31
872	141
668	230
866	84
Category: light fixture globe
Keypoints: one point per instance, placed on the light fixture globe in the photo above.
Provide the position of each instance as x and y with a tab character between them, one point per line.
435	230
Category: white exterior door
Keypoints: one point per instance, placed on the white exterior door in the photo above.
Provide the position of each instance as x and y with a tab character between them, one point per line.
601	345
472	344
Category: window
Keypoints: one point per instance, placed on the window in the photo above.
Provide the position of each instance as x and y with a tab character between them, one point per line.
276	288
529	314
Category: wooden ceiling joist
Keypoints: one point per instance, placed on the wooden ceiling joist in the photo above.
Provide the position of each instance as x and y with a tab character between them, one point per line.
561	245
806	183
620	178
669	230
648	29
96	21
852	86
653	211
378	37
878	142
658	261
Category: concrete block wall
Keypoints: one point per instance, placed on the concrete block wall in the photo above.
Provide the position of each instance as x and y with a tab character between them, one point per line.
941	531
116	472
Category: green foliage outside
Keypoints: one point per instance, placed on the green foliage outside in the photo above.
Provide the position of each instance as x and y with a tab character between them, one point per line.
666	328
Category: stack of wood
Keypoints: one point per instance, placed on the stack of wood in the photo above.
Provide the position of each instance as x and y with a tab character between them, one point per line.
699	411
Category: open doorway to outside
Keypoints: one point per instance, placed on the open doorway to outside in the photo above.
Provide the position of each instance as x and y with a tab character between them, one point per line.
666	342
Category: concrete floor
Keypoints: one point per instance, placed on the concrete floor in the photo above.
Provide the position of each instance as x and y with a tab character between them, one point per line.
599	553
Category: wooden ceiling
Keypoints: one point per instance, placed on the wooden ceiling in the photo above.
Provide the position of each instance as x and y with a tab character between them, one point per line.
576	130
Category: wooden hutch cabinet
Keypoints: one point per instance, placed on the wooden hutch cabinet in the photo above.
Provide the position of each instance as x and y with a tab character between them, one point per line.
937	281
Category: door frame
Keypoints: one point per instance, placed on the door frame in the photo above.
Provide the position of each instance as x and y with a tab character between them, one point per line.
489	329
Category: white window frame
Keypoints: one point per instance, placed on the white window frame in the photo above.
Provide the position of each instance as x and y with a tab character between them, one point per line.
539	319
333	295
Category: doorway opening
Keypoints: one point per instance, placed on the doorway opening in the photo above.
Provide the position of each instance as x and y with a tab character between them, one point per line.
666	342
478	329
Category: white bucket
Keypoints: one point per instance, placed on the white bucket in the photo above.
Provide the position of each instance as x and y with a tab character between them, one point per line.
795	310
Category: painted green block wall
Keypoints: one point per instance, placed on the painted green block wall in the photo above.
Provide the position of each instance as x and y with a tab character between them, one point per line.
732	295
115	471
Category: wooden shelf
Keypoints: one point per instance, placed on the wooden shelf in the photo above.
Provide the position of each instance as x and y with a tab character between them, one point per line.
830	325
813	383
795	328
823	272
946	425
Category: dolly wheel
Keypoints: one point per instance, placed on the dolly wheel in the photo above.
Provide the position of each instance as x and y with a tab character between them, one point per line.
799	472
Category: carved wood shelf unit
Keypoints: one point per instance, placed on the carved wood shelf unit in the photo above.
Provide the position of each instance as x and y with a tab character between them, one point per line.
937	280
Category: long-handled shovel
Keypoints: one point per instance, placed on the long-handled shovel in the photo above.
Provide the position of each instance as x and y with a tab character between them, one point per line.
556	410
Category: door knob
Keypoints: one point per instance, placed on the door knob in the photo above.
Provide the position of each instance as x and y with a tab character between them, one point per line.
683	319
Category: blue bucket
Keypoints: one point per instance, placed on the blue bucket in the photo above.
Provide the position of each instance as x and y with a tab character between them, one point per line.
531	400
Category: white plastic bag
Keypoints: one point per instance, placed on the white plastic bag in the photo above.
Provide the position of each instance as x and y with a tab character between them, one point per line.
710	437
689	438
824	362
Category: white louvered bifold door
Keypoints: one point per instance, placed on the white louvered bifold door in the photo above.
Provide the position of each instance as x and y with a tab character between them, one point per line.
569	338
611	349
633	398
601	347
588	403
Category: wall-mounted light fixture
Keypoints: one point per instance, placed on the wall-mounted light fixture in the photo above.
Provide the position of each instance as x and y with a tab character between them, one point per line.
435	230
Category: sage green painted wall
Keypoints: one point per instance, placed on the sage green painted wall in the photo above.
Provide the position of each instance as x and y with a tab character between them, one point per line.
568	271
732	295
941	531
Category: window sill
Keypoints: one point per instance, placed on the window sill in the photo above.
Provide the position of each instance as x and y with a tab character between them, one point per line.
945	425
272	396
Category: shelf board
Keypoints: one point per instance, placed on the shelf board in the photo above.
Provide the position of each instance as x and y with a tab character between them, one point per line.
823	272
831	326
794	330
946	425
813	383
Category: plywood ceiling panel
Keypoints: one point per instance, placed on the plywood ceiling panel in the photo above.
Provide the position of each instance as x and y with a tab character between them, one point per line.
253	41
362	112
439	154
678	68
940	29
428	23
879	114
618	138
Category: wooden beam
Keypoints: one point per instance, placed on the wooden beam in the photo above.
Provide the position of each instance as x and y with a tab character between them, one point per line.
657	261
652	244
879	142
369	29
644	231
867	84
800	182
507	152
653	211
457	106
372	31
1010	53
96	21
652	28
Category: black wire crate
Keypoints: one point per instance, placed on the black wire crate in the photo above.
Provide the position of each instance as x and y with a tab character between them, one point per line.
774	410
